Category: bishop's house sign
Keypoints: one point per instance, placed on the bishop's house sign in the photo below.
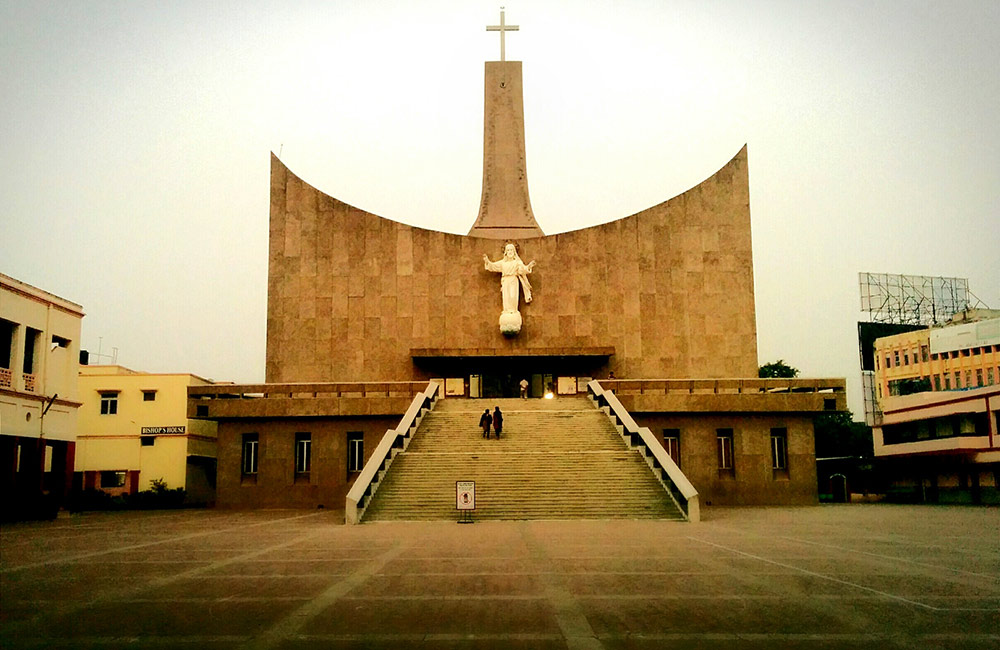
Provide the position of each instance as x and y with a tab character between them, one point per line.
159	431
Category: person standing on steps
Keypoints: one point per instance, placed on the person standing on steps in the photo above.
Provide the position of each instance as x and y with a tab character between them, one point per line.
497	421
484	423
524	389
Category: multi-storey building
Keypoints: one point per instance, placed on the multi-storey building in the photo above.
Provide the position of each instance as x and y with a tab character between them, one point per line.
942	446
133	429
936	436
960	355
39	357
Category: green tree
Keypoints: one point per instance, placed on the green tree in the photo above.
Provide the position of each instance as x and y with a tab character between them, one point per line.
838	435
778	369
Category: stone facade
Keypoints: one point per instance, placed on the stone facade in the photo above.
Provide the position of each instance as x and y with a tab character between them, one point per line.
752	411
753	480
276	484
670	289
363	311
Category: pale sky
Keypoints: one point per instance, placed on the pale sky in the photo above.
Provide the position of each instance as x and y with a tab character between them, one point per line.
136	139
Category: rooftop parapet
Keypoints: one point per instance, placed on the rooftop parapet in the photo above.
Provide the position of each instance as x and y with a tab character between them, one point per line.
730	395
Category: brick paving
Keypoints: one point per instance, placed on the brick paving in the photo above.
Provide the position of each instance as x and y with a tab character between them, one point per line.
821	577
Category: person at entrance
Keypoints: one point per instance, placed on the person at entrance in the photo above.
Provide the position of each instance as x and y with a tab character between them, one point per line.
524	389
497	421
484	422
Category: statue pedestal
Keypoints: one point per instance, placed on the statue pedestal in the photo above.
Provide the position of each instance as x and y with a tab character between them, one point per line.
510	323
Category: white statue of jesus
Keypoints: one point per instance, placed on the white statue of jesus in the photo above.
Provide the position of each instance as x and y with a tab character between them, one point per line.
513	275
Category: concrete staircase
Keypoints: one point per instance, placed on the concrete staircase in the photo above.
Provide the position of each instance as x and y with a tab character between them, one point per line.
556	459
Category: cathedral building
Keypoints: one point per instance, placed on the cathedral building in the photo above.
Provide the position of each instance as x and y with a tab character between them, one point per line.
365	312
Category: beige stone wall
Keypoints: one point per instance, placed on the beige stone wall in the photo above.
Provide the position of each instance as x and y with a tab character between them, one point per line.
670	288
752	482
275	485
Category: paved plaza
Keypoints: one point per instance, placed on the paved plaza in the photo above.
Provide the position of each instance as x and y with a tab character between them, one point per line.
821	577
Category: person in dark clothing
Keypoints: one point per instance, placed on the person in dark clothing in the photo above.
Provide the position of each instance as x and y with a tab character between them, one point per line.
484	423
497	421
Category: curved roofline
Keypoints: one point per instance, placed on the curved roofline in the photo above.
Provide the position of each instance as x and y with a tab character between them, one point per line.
741	152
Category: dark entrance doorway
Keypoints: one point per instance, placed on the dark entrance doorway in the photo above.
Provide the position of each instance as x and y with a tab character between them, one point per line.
500	372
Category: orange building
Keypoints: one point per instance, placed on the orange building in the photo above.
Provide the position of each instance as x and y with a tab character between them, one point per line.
962	355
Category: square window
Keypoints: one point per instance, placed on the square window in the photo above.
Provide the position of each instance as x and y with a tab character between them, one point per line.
303	452
250	450
112	479
147	441
149	396
109	403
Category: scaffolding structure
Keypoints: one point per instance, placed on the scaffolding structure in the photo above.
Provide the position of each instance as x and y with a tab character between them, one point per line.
901	303
912	299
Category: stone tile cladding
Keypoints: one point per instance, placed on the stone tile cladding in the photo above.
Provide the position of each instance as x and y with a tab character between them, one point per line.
671	287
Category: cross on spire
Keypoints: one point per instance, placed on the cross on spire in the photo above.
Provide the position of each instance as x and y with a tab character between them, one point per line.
503	27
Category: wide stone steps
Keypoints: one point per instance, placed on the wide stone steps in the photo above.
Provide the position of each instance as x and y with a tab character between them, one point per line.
522	431
556	459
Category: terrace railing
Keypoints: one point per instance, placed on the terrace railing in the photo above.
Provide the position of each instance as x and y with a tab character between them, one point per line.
722	386
308	390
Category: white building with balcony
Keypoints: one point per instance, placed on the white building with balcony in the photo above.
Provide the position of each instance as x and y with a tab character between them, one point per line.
942	446
39	397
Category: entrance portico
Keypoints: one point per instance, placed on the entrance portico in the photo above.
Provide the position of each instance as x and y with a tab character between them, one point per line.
497	372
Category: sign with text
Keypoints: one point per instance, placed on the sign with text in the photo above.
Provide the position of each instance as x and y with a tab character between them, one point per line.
465	495
158	431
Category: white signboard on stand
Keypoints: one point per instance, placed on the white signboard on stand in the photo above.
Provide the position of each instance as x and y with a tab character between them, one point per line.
465	495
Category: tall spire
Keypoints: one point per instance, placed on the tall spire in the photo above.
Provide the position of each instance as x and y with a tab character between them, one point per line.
504	209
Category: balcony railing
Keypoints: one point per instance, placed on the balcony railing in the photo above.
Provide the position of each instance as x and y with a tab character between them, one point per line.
6	378
29	383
